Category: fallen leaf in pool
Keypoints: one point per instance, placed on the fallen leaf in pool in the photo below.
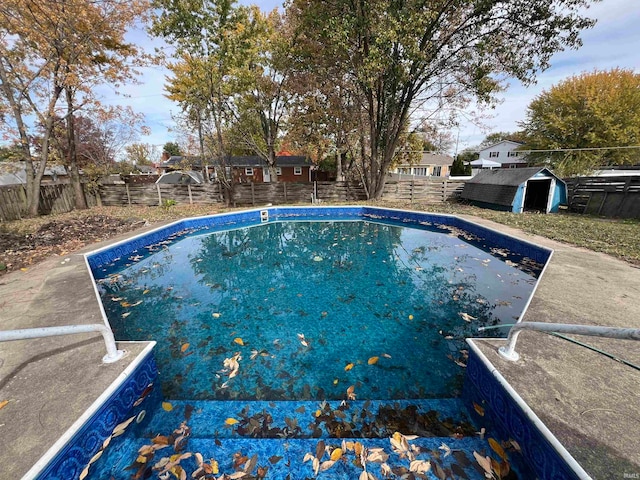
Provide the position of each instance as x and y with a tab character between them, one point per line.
231	421
167	407
348	367
146	291
478	409
215	315
126	314
239	341
372	360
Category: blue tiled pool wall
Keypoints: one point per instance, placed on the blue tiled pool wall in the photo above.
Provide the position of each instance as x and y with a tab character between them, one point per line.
506	420
75	456
487	236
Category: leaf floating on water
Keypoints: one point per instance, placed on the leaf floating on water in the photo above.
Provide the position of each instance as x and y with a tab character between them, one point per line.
336	454
348	367
478	409
239	341
215	315
327	465
466	317
317	258
386	355
274	459
420	466
126	314
373	360
351	392
122	426
445	448
184	347
410	317
146	291
496	447
137	303
484	462
231	421
116	299
167	407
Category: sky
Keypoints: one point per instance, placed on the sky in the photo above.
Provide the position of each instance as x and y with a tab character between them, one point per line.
613	42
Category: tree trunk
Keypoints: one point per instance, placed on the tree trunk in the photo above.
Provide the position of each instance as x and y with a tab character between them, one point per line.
72	156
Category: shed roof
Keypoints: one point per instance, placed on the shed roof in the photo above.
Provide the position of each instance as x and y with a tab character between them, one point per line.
508	176
281	161
499	186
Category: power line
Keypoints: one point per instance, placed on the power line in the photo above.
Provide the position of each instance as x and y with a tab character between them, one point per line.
627	147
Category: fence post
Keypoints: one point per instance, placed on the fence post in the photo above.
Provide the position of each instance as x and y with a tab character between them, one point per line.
253	196
159	195
190	197
412	189
284	188
444	190
126	186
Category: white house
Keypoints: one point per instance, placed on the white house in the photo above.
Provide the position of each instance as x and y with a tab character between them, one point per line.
505	154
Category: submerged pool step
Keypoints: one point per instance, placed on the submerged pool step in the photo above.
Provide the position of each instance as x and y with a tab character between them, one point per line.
315	419
284	458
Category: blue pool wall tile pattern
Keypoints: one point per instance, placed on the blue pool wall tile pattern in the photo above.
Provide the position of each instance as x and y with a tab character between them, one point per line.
71	460
505	419
252	217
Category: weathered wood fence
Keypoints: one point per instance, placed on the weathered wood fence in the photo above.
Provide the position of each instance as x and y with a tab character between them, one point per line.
606	196
54	198
431	190
58	198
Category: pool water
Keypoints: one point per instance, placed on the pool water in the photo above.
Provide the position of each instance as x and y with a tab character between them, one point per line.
314	310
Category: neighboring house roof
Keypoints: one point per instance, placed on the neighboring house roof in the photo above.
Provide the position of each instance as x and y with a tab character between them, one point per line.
14	173
430	159
241	161
146	169
515	145
281	161
499	186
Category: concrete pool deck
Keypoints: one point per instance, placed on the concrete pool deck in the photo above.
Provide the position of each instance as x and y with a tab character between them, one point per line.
590	402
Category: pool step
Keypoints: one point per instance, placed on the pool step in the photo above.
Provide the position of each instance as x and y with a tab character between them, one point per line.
281	459
315	419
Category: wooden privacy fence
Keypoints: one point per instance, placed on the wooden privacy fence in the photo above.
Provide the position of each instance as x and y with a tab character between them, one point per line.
157	194
54	198
606	196
287	192
58	198
431	190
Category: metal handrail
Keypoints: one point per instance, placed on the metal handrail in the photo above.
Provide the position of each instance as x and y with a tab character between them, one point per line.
113	354
508	352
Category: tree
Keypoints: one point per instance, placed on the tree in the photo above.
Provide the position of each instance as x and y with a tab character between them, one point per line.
213	40
48	49
172	149
593	110
459	168
402	55
141	153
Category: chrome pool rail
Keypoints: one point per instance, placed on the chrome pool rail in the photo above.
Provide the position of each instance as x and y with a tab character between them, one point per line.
508	352
113	354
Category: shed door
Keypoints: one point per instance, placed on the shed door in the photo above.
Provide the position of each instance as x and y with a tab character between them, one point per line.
537	195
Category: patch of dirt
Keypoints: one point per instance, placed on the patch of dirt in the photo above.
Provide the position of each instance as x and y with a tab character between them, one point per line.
59	237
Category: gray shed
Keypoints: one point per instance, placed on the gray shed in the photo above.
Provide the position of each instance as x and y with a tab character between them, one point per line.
517	189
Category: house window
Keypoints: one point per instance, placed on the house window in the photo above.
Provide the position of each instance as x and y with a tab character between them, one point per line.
513	154
421	171
494	154
248	171
297	170
278	171
437	171
513	165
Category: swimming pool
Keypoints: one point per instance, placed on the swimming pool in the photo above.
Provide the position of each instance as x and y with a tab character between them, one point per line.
361	392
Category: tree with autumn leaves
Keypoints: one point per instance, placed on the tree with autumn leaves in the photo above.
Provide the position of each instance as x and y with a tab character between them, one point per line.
385	58
582	117
53	54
